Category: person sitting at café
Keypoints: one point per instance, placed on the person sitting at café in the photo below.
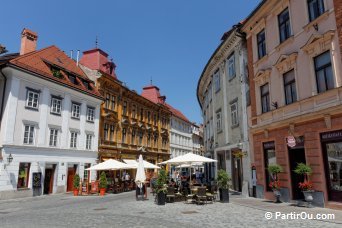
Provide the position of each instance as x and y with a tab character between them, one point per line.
172	183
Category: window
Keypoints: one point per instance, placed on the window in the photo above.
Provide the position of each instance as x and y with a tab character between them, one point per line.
90	114
148	116
107	101
75	110
32	99
72	79
56	105
164	142
88	141
124	108
133	137
85	173
105	132
261	44
231	66
56	72
234	114
284	25
111	133
123	135
23	175
316	8
73	139
134	111
140	138
218	121
149	139
269	158
155	119
217	81
155	140
141	114
53	137
324	74
265	98
113	103
290	87
29	134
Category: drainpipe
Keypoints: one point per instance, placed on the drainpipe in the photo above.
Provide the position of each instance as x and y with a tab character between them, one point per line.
3	95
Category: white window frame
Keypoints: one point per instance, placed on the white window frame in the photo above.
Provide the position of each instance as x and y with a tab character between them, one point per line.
219	121
231	67
90	114
32	100
217	81
30	134
89	143
75	110
56	104
73	139
234	113
53	132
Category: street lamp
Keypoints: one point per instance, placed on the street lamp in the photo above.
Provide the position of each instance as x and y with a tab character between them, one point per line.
9	160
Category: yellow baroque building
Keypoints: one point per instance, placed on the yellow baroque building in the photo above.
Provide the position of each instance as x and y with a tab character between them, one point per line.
130	124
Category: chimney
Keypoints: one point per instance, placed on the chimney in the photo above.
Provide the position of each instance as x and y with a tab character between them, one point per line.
28	41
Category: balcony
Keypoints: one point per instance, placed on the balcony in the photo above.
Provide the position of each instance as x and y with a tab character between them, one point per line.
311	106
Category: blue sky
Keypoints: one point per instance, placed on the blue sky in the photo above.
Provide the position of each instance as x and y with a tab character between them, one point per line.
168	41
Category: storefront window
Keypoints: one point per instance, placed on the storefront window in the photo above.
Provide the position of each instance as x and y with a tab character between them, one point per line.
23	175
334	157
269	158
85	174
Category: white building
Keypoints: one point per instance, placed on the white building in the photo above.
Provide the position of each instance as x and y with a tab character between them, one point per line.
223	96
49	124
197	139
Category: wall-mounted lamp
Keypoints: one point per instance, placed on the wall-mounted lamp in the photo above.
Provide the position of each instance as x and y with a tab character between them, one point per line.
9	160
315	26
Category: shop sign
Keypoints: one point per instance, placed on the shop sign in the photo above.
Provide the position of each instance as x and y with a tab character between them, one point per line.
332	135
291	141
269	145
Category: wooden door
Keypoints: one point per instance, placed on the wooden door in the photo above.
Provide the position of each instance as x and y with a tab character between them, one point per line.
48	181
70	180
296	156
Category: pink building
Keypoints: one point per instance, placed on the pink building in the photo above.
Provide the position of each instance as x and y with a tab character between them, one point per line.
295	80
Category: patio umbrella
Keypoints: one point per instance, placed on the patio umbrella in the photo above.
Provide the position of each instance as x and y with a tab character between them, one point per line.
190	159
110	164
140	178
134	164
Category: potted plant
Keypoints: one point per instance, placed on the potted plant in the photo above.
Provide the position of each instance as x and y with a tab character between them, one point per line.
223	182
274	170
306	186
103	183
76	184
161	187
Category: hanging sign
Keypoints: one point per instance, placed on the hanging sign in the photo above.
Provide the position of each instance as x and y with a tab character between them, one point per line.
291	141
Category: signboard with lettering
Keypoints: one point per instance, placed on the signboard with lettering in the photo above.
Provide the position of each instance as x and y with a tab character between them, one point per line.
36	180
269	145
291	141
332	135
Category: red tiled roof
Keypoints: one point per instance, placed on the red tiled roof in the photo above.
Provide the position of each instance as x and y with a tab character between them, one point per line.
152	93
177	113
39	61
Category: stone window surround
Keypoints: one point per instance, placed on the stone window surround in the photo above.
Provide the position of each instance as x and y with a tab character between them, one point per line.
316	45
284	64
262	77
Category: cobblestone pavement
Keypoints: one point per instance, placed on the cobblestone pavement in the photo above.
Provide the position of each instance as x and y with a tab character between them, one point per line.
122	210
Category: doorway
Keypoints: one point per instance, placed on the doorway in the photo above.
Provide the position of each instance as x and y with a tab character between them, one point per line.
296	156
237	173
70	179
48	179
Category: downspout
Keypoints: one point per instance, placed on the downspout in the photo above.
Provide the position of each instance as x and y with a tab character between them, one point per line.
3	95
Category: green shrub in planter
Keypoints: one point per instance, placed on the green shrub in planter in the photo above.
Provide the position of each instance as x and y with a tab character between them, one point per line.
103	180
76	182
274	169
223	182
